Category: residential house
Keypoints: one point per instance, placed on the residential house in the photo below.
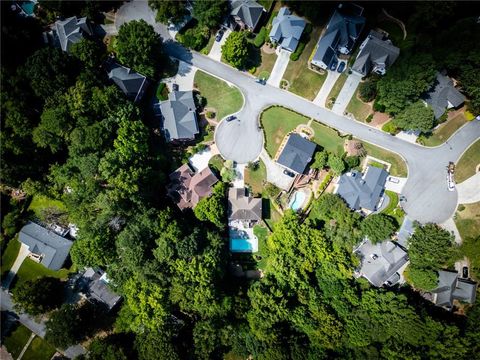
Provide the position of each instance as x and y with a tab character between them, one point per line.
243	207
188	187
94	286
287	29
381	262
406	231
245	14
376	55
362	192
45	246
450	287
443	95
341	34
179	116
70	31
130	82
297	153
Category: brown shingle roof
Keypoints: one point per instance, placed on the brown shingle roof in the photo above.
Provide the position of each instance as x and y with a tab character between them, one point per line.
243	207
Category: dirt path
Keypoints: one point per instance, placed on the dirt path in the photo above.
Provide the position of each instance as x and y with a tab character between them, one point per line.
399	22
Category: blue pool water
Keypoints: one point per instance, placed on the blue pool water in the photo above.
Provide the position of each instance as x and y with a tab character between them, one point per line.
297	200
240	245
28	7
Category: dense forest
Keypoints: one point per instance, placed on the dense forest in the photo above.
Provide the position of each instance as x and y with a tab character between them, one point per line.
70	134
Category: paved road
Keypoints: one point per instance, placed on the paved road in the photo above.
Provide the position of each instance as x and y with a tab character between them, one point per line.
346	93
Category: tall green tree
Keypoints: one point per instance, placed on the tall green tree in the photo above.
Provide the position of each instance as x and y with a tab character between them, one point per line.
169	11
336	164
39	296
209	13
213	207
378	227
416	116
235	49
321	158
89	52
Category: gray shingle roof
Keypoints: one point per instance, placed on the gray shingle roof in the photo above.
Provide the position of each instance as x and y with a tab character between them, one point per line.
95	285
130	82
441	94
287	29
381	261
406	230
450	287
248	11
179	116
362	192
243	207
375	52
52	248
71	30
297	153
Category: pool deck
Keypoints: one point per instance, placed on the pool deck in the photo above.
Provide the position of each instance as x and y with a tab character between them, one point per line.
239	232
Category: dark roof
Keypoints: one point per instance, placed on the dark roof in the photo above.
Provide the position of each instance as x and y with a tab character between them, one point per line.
71	31
95	284
376	51
243	207
362	192
51	247
451	287
179	116
297	153
130	82
248	11
287	29
441	94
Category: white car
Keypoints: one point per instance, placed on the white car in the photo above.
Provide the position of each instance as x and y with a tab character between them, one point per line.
450	182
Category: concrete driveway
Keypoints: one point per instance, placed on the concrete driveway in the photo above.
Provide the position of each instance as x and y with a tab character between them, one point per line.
275	173
216	51
346	93
184	77
279	68
395	184
199	161
321	98
22	254
469	190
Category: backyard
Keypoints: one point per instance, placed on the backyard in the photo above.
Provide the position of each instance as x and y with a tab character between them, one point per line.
302	80
445	130
9	256
261	232
468	162
255	177
332	96
223	98
40	203
467	220
39	349
358	108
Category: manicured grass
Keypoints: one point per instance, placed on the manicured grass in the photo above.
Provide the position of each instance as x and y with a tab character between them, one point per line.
40	202
223	98
445	130
39	349
337	87
30	270
277	122
216	163
208	47
162	92
358	108
302	80
327	138
265	69
468	221
393	209
468	162
255	178
376	164
10	255
398	168
17	340
261	233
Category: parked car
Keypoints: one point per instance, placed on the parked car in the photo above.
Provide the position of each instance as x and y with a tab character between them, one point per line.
333	65
260	81
230	118
341	67
175	87
219	35
288	173
465	272
393	180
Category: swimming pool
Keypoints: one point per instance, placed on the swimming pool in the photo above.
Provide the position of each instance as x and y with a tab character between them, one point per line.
27	6
297	200
241	245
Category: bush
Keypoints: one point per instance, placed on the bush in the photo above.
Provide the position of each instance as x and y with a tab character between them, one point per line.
210	114
369	118
296	54
260	38
352	161
442	118
378	107
195	38
390	128
271	190
461	207
162	92
252	70
367	90
308	28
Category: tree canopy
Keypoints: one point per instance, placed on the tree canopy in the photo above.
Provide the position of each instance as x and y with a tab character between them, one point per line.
416	116
235	49
39	296
378	227
169	11
209	13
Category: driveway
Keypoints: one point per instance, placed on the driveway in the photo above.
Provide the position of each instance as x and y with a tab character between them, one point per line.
199	161
469	190
395	184
184	77
279	68
275	173
216	51
346	93
22	254
321	98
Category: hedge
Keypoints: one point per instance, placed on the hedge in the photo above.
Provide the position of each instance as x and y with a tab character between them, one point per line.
260	38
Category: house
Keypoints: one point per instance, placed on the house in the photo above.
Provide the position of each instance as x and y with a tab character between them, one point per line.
341	34
287	29
381	262
450	287
376	55
362	192
188	187
245	14
130	82
179	116
94	286
443	95
45	246
70	31
406	231
297	153
243	207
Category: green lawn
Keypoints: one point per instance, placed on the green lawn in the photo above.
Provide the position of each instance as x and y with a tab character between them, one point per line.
208	47
40	202
10	255
216	163
265	69
223	98
445	130
358	108
39	349
261	232
333	94
468	162
302	80
30	270
277	122
468	221
255	178
270	213
328	138
398	168
393	209
17	340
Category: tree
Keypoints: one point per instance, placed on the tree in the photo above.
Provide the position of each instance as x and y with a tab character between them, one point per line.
195	38
367	90
169	11
422	278
157	344
416	116
352	161
209	13
64	327
235	49
213	207
39	296
378	227
336	164
106	349
138	46
89	52
320	161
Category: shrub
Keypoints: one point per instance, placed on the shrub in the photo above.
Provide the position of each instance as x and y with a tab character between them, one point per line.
271	190
162	92
296	54
195	38
352	161
390	128
369	118
210	114
260	38
461	207
308	28
378	107
442	118
367	90
252	70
